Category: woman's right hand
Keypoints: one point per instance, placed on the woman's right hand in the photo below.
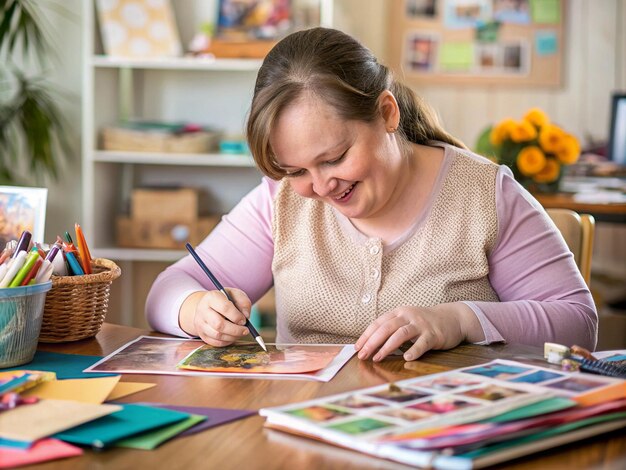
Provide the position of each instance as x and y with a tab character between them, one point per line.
212	317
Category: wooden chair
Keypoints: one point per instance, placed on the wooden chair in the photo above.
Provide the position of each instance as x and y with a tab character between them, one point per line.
577	230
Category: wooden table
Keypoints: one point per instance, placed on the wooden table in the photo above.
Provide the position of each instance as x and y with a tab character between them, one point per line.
613	212
246	444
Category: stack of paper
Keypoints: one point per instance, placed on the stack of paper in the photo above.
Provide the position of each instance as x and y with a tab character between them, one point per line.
44	415
467	418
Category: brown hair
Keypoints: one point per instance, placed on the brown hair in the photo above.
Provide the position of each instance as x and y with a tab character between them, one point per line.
342	72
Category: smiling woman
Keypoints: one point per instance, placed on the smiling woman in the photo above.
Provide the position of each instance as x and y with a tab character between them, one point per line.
374	225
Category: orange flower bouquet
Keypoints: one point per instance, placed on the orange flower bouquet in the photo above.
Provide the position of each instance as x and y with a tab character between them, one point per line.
535	149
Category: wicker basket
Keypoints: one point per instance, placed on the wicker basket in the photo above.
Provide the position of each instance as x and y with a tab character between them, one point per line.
76	305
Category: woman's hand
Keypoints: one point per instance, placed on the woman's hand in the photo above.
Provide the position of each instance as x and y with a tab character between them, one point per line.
212	317
441	327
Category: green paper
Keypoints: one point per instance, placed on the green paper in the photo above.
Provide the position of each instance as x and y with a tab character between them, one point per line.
152	439
456	55
131	420
534	409
545	11
564	428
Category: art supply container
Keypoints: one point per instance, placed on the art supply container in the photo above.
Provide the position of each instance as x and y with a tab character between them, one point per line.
76	306
21	314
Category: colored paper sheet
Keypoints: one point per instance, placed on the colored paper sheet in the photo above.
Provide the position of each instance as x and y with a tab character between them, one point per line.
215	416
41	451
564	428
534	409
66	366
546	43
94	390
129	421
19	380
123	389
546	11
46	417
456	55
13	444
152	439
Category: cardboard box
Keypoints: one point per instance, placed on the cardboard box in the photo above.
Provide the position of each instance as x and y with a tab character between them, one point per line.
171	234
178	205
239	49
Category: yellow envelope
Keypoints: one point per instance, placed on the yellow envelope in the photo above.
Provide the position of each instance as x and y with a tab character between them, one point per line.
46	417
93	391
126	388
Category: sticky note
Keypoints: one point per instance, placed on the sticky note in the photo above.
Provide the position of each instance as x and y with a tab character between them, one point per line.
546	42
546	11
456	55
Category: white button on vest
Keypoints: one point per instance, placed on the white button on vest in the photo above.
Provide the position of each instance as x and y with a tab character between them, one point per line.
366	298
375	273
374	250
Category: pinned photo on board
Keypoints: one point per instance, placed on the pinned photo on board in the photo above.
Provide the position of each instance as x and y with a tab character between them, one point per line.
421	9
462	14
420	51
511	11
516	58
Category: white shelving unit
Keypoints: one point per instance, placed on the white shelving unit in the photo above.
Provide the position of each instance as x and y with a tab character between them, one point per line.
213	92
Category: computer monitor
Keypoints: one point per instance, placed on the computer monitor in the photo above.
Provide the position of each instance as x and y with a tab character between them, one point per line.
617	137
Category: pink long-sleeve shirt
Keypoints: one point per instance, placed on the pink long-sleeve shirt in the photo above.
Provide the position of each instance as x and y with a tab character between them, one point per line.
542	295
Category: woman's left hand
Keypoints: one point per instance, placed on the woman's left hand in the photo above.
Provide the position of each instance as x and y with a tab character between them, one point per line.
441	327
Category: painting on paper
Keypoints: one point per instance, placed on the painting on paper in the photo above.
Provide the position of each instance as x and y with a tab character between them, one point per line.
249	358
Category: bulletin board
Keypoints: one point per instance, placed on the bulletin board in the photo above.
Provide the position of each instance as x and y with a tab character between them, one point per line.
477	42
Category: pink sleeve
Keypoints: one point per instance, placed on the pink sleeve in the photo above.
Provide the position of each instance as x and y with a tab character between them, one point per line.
238	251
543	296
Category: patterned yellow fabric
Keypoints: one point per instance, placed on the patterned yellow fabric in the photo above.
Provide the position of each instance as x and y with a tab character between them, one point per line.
332	281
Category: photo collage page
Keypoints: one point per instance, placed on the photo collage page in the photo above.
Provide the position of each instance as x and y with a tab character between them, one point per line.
454	397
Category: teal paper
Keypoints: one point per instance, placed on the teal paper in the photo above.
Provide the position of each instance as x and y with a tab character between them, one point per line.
152	439
131	420
24	445
66	366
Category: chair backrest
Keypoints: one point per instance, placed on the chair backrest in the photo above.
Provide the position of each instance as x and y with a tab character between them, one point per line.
577	230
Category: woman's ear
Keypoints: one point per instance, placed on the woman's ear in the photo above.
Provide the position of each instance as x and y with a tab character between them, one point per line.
389	110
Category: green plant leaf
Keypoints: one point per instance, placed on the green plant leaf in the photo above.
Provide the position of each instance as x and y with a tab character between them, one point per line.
32	129
484	146
22	26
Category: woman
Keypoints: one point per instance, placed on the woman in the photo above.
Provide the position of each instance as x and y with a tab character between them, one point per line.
374	225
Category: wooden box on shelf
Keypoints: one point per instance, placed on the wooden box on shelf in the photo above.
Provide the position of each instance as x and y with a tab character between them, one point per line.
240	49
164	204
130	140
164	234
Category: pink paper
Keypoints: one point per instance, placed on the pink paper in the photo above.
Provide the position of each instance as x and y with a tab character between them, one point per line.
41	451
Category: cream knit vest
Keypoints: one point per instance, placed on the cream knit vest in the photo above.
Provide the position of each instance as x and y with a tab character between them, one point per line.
330	284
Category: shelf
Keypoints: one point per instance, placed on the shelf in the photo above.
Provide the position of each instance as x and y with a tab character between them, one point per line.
137	254
188	159
178	63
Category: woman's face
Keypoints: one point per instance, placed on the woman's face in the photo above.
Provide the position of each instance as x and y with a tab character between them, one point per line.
351	165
